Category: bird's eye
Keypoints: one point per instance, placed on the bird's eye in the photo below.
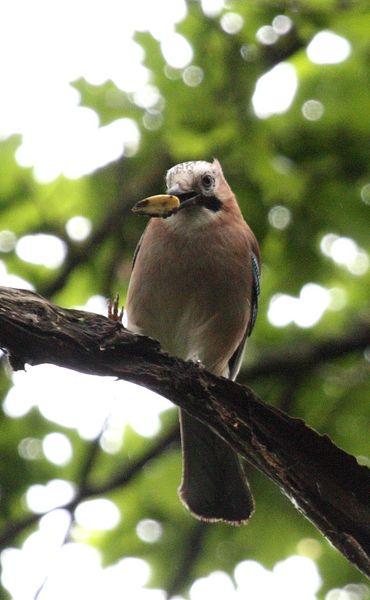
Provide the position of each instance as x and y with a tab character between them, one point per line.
207	181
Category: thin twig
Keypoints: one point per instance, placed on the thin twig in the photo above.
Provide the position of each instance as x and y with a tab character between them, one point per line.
118	212
187	558
118	480
303	357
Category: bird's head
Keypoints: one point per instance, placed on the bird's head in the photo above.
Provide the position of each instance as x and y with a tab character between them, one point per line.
189	184
198	183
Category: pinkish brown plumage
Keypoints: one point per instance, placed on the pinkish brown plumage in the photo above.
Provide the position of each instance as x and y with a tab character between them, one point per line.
193	287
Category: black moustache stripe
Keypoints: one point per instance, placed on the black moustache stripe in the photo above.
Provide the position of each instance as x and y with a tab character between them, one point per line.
212	203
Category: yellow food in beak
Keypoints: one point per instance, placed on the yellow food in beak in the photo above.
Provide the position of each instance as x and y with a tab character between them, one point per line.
162	205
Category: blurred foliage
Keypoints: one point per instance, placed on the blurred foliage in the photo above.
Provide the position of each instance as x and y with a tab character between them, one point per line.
315	168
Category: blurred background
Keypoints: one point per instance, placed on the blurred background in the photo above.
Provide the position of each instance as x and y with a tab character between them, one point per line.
97	100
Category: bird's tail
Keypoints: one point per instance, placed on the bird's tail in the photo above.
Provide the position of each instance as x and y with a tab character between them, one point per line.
214	486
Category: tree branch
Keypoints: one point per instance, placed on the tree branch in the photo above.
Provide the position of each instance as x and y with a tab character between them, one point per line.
303	357
117	480
325	483
80	254
187	558
120	209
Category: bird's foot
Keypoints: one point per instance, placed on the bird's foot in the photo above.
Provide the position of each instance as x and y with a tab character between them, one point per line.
114	312
197	362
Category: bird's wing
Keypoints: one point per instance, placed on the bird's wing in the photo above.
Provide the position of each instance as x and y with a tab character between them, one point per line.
137	250
236	359
255	293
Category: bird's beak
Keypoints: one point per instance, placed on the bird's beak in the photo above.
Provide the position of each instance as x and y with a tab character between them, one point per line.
189	198
165	205
162	205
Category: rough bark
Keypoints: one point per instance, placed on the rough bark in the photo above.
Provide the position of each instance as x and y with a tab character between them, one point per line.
326	484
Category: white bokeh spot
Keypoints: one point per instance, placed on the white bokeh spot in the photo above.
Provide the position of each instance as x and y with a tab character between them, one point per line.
42	249
78	228
328	48
42	498
292	578
99	514
345	252
57	448
176	51
305	311
149	530
275	91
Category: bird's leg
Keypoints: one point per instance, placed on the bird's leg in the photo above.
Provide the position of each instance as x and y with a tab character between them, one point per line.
114	312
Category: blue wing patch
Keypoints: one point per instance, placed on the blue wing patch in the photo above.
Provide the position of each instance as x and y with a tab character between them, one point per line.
255	293
236	359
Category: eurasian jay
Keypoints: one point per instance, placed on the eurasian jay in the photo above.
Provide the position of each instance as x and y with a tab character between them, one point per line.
194	287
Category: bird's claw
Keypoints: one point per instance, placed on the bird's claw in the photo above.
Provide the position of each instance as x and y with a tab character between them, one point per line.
114	312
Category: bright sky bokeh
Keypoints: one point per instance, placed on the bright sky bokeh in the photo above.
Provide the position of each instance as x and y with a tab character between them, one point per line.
65	41
62	42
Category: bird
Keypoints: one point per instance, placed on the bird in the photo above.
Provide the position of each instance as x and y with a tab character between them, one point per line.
194	287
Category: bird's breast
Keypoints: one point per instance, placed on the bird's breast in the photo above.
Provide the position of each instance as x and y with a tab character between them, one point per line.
191	292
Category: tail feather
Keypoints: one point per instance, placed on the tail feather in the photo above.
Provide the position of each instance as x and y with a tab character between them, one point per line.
214	486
